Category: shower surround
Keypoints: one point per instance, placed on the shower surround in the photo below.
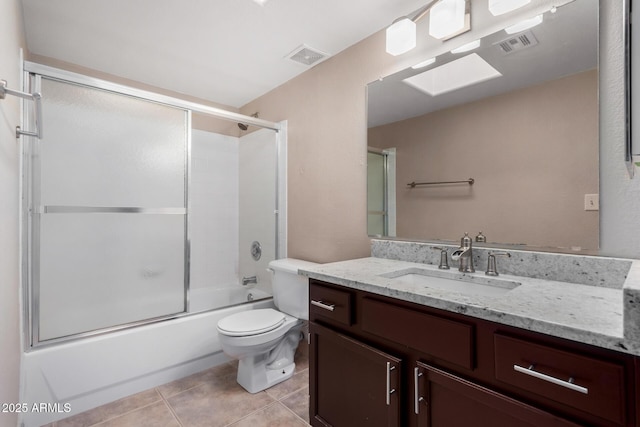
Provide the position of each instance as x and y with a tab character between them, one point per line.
233	195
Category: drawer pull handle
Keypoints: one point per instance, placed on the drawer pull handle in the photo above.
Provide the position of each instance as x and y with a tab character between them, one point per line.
390	391
321	304
567	384
416	390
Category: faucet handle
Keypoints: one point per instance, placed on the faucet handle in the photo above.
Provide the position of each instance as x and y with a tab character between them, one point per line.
444	261
492	269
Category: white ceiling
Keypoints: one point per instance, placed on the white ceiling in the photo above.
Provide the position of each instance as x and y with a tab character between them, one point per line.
226	51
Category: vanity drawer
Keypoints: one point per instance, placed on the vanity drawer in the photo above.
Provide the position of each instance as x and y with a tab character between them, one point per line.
586	383
330	303
445	339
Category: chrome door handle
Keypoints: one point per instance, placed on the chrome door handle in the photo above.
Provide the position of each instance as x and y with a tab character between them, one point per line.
321	304
417	399
390	391
567	384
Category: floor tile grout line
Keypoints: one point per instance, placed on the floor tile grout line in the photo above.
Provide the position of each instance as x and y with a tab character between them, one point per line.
253	412
291	394
294	391
123	413
297	416
126	413
179	392
199	384
173	412
280	399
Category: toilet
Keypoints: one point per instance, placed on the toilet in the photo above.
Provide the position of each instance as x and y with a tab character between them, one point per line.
265	340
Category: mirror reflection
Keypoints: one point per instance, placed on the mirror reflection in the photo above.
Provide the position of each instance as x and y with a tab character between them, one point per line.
525	133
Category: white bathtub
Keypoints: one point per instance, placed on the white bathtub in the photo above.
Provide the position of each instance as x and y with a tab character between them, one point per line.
93	371
205	299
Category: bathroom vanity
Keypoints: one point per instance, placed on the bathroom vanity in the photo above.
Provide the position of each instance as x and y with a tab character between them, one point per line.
392	346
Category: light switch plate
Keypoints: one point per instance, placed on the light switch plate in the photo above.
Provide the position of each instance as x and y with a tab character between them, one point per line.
591	202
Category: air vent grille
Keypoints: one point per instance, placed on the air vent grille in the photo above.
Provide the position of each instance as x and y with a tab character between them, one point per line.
306	55
517	43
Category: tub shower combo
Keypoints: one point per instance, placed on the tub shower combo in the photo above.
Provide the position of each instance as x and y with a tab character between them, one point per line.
139	233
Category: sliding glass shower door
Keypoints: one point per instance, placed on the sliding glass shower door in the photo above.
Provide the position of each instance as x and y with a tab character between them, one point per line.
107	211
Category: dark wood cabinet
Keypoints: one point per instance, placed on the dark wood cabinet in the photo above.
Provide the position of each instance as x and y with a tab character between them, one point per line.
446	400
354	384
577	380
379	361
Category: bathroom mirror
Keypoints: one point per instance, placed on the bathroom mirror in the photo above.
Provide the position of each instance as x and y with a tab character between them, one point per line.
514	156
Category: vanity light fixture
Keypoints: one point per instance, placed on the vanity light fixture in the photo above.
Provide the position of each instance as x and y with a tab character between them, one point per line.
467	47
261	2
401	36
452	18
424	63
524	25
500	7
447	18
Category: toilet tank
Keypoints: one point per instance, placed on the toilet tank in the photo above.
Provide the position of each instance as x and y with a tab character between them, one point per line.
290	290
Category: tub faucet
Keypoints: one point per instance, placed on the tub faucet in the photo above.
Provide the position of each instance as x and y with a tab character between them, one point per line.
464	254
250	279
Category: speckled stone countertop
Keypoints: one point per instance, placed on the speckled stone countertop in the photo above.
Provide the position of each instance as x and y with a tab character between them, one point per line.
602	315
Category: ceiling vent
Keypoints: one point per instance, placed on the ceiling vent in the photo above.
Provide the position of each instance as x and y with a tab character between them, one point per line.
517	43
306	55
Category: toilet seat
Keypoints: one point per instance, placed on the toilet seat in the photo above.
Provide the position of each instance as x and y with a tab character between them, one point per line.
252	322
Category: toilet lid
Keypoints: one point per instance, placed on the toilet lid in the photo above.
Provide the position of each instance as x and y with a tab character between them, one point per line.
251	322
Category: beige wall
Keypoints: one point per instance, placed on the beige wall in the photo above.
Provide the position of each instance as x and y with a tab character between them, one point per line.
532	160
11	40
325	108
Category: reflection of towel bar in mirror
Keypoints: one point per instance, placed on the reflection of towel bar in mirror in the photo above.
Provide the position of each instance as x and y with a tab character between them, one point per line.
414	184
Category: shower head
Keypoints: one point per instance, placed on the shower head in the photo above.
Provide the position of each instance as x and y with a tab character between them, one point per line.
245	126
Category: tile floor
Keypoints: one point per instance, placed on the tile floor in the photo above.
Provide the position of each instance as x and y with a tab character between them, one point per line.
210	398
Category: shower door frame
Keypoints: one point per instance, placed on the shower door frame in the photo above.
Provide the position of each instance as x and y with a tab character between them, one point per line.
30	241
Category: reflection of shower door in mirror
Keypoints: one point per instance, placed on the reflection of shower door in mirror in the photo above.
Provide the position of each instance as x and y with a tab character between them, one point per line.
108	211
381	213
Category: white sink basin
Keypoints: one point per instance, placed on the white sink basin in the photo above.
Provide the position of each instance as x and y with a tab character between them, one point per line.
476	284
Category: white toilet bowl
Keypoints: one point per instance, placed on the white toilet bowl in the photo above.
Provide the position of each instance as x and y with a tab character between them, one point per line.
265	340
265	358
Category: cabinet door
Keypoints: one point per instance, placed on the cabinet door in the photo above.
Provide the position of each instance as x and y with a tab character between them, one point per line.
444	400
351	383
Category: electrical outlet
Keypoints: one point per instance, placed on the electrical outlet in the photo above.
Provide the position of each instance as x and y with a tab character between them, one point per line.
591	202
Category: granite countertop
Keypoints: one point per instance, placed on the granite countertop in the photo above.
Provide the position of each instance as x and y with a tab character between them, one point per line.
602	316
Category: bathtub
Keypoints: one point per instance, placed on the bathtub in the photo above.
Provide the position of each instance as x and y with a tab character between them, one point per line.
90	372
204	299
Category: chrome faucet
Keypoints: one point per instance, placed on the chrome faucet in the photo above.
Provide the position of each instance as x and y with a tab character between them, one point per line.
250	279
464	254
